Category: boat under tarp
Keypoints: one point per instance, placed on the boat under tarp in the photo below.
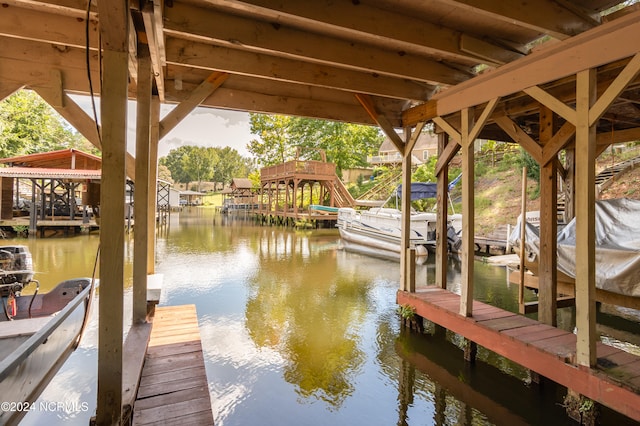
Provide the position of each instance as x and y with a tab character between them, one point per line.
617	237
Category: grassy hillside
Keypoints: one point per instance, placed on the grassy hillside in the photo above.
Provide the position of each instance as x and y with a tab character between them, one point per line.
498	190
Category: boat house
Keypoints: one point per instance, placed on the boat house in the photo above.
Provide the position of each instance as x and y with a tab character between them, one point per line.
558	78
50	190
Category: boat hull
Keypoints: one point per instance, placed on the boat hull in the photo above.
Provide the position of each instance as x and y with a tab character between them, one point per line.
378	232
34	349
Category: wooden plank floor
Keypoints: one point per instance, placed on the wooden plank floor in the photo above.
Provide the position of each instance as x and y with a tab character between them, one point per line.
173	387
549	351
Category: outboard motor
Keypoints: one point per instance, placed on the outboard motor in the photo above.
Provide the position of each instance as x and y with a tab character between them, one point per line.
454	240
16	271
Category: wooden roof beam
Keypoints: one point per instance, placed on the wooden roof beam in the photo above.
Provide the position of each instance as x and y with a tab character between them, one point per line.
75	8
548	17
373	26
203	91
201	55
191	22
58	29
383	122
82	122
8	88
591	49
152	18
287	105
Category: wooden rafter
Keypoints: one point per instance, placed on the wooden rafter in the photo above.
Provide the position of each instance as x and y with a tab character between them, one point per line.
404	33
446	155
152	17
520	136
206	88
383	122
545	16
559	107
60	29
7	89
210	57
591	49
629	73
217	27
82	122
557	142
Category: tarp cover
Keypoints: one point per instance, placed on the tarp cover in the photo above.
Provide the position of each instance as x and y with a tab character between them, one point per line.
617	246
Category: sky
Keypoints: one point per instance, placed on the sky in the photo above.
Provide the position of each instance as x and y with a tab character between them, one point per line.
206	127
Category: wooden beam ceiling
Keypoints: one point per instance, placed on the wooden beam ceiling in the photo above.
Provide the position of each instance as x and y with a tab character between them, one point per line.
556	18
398	32
211	26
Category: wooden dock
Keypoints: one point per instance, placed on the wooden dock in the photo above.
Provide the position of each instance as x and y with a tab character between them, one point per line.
549	351
173	386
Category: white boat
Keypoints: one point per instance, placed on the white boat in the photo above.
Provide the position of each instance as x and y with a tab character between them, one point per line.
37	334
377	231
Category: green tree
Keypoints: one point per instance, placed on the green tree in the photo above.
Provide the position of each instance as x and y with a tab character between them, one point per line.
29	125
198	164
164	173
173	162
272	147
230	164
346	145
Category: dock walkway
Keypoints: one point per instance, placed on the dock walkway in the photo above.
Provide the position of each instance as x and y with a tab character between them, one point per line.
549	351
173	387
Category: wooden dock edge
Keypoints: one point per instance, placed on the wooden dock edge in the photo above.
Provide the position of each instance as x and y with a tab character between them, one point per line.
588	382
133	355
173	386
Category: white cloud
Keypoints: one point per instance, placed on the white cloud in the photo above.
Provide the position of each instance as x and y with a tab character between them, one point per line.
203	127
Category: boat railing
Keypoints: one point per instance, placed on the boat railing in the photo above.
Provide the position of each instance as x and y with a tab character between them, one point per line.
11	362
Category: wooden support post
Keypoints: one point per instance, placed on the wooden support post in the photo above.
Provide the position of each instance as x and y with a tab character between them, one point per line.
405	225
523	234
569	184
141	194
410	272
468	212
114	125
470	351
442	207
466	137
33	214
153	184
407	266
548	272
114	20
585	220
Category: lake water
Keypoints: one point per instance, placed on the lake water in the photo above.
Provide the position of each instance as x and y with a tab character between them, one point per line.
295	331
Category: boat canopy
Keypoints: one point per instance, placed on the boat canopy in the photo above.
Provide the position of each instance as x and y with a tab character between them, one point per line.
420	190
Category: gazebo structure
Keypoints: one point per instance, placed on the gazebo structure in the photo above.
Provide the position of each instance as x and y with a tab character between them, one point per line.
551	76
240	195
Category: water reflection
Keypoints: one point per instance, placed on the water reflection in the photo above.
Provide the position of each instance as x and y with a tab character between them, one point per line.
296	331
311	314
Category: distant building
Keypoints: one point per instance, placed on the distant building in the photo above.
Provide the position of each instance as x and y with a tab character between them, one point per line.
240	193
426	146
191	198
